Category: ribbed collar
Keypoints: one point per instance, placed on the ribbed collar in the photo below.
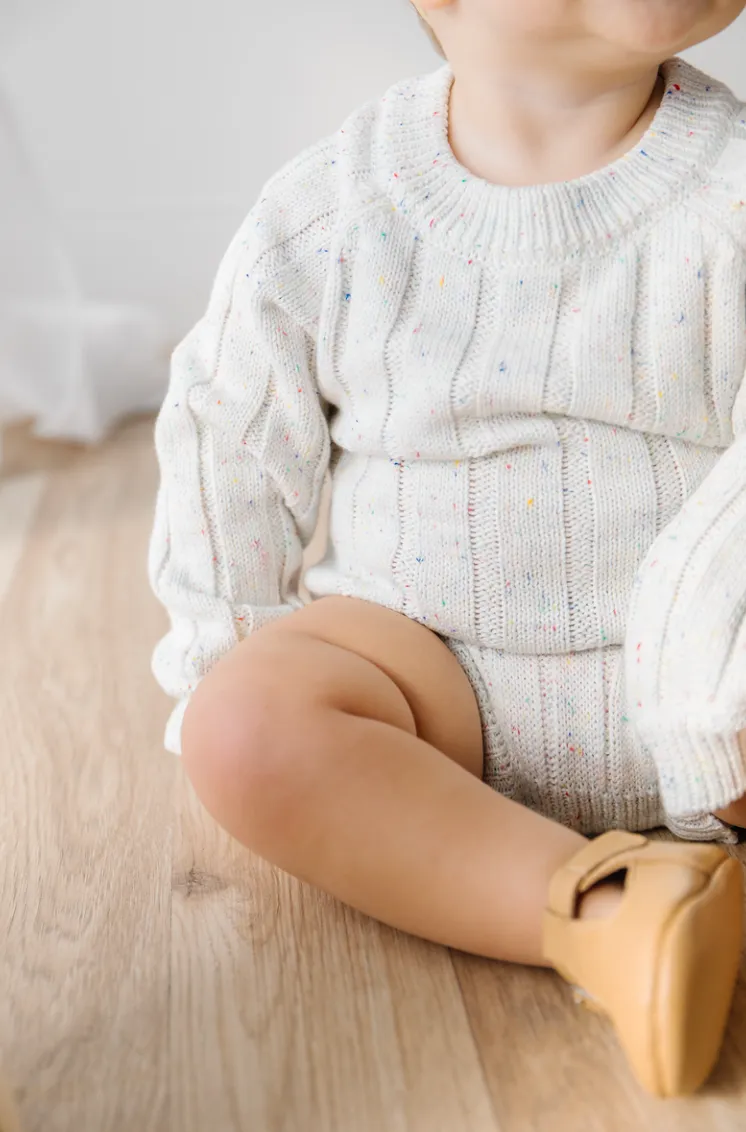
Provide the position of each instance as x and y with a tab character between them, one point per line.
486	220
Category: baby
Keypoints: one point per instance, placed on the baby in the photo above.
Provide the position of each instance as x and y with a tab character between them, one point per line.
504	307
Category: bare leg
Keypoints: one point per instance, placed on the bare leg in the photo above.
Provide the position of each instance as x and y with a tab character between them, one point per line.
344	745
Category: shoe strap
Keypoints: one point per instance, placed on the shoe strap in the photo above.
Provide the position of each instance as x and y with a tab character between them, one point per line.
596	860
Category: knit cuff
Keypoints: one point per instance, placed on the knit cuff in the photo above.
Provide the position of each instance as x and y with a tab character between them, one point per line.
704	827
699	771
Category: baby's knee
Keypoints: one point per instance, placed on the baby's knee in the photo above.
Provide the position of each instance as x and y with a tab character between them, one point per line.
242	742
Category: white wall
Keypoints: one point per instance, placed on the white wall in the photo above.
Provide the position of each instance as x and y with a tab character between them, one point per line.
156	122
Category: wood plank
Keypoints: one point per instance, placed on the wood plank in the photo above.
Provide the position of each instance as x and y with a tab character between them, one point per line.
19	500
287	1012
291	1013
22	452
85	808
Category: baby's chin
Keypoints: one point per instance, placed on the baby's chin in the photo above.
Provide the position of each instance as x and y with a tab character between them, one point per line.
660	27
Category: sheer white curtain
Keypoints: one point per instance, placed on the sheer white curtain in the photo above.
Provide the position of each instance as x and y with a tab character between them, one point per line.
73	366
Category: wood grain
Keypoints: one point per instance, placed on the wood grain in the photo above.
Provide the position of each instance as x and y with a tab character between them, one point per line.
19	500
85	810
324	1019
155	977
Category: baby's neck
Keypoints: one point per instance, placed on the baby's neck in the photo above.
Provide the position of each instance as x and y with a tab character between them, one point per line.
528	133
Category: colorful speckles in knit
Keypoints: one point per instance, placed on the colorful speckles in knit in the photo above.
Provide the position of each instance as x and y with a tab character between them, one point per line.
530	400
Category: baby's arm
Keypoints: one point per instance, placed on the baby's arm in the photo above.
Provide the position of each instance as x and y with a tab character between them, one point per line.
686	642
242	443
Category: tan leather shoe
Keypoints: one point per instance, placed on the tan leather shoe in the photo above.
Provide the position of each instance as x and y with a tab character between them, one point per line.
8	1115
663	966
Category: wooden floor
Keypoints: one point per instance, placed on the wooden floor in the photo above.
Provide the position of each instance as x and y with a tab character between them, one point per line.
153	976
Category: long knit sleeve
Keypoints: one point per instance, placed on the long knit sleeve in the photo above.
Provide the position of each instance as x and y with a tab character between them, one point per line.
686	644
243	446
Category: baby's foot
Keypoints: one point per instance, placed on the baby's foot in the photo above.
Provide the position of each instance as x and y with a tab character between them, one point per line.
602	900
652	933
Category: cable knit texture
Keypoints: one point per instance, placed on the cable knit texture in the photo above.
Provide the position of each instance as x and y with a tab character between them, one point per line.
531	403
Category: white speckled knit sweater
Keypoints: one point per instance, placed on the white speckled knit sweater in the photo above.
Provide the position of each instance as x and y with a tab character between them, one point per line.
531	399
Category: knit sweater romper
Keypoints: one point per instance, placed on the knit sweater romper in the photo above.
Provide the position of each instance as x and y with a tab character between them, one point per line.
532	405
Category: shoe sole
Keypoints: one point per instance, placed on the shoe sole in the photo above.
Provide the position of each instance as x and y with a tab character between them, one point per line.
699	962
